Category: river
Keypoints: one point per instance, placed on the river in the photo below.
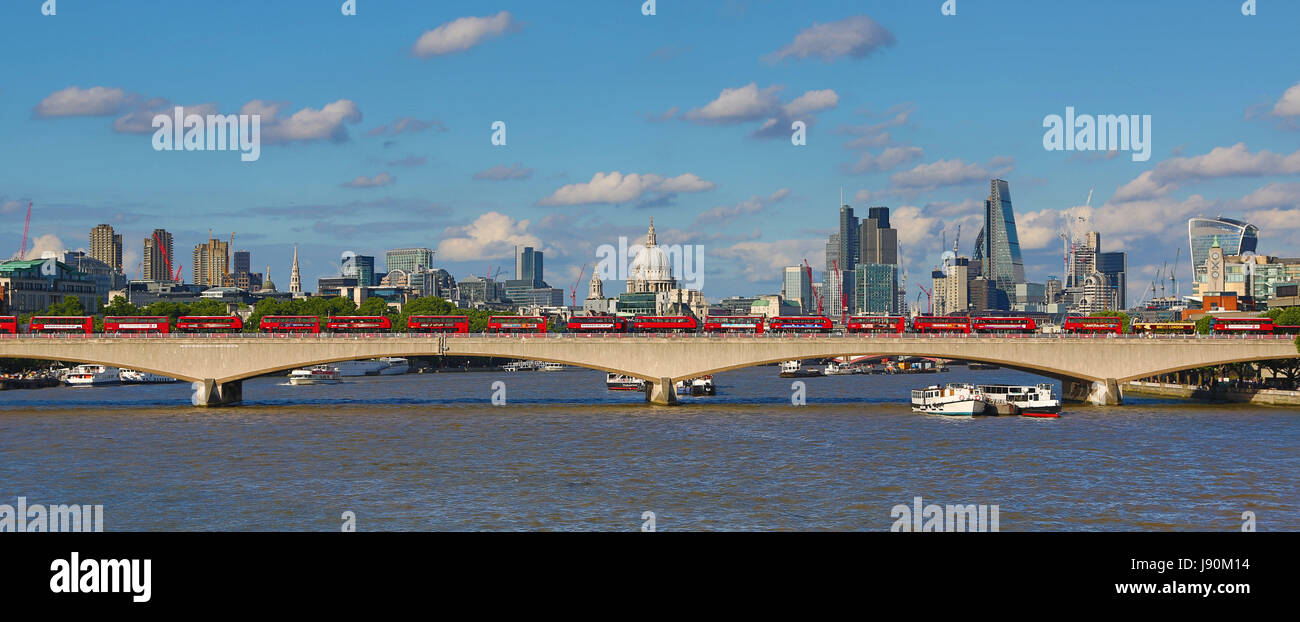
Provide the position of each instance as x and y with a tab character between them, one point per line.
431	452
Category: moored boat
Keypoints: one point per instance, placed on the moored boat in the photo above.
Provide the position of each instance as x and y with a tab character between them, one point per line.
394	366
367	367
620	382
92	375
1025	400
316	374
952	399
131	376
794	369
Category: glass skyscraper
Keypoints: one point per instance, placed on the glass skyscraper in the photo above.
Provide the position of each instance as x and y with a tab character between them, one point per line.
1234	236
796	288
408	259
876	288
1000	255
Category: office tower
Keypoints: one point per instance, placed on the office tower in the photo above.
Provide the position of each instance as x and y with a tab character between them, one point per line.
106	246
408	259
211	263
1233	236
1114	266
158	259
951	288
528	265
796	287
876	288
878	243
362	268
242	262
295	278
1003	265
832	287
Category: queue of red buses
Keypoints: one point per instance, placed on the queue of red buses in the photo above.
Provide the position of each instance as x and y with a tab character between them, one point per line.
209	324
516	324
359	324
876	324
8	325
1164	328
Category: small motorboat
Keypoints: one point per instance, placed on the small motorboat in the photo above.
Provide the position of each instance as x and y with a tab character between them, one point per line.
316	374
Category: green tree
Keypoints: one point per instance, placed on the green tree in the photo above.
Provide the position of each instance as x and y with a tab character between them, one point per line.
119	306
373	306
1205	324
1289	316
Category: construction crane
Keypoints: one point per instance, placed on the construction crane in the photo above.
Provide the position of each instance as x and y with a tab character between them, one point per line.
162	250
27	224
573	291
929	299
816	294
225	280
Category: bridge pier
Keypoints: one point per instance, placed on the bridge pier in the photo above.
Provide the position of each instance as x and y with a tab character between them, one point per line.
1105	393
662	392
209	393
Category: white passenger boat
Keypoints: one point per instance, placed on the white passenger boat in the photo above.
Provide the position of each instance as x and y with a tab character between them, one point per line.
794	369
131	376
703	386
954	399
520	366
394	366
368	367
838	369
92	375
1030	401
620	382
316	374
554	367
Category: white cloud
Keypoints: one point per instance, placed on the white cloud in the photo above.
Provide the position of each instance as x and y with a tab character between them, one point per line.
763	261
745	103
812	101
502	172
492	235
855	37
615	187
380	180
943	173
885	160
1289	105
307	124
1273	195
462	34
1234	161
140	120
1276	219
753	205
48	243
96	101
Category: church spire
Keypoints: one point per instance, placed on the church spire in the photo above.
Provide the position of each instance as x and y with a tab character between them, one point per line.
295	280
650	236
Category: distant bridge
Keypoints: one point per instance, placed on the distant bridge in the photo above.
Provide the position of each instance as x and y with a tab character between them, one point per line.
1090	367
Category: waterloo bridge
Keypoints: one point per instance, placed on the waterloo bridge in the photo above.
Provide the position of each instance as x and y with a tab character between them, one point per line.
1091	368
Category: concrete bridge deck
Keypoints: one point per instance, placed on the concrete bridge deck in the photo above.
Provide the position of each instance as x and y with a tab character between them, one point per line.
1091	367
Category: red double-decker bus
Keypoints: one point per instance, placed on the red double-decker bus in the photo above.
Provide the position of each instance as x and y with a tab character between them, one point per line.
209	323
8	325
359	324
1243	325
664	324
85	325
137	325
516	324
1003	324
437	324
1087	325
876	324
941	324
733	324
597	324
800	324
291	324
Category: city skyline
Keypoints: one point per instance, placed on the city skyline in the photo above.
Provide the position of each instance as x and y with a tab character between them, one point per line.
400	154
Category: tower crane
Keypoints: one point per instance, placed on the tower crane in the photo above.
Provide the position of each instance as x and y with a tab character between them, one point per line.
27	224
929	299
573	291
816	294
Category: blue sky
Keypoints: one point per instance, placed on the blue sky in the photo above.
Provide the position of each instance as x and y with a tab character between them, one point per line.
613	117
